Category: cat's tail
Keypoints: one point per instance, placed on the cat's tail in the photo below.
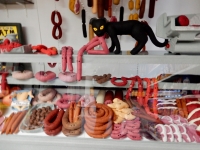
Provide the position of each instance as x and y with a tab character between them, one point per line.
153	37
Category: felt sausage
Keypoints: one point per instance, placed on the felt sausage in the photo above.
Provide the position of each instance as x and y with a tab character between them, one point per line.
142	9
7	123
84	30
116	2
183	102
11	122
121	15
109	96
67	132
151	8
101	136
77	112
48	120
95	7
53	132
119	94
137	4
70	126
8	129
71	112
109	8
18	121
100	96
91	32
47	94
53	18
180	109
90	3
135	16
56	37
130	17
100	9
106	4
131	4
83	16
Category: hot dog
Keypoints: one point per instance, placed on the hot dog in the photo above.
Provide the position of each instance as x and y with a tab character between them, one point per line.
142	9
109	8
17	121
94	7
151	8
100	8
71	112
77	111
7	123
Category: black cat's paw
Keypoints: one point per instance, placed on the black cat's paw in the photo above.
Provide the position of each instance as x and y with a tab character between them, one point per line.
117	52
111	49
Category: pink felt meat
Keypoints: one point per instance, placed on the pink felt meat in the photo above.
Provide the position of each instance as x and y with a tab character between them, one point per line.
45	76
67	76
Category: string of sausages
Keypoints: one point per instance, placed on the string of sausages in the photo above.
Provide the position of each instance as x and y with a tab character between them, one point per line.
57	25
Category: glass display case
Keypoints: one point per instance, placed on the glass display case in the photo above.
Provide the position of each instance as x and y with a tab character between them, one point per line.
61	97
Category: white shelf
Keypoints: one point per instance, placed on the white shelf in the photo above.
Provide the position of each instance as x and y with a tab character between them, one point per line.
25	142
153	58
88	83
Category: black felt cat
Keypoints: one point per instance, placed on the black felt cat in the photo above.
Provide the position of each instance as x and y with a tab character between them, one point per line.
138	30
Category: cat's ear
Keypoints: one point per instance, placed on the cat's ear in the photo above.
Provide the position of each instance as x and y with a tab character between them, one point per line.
91	20
105	20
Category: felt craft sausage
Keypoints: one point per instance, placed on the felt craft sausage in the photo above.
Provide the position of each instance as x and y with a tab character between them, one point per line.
47	95
180	109
90	3
109	8
151	8
135	16
53	16
71	112
7	123
137	4
119	94
53	132
121	15
71	97
116	2
45	76
56	37
67	132
77	111
131	4
109	96
56	122
100	96
71	126
142	9
101	136
83	23
100	4
11	122
106	4
183	102
95	7
74	6
22	75
17	121
91	32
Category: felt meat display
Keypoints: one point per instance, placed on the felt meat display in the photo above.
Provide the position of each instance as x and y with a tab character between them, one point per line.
138	30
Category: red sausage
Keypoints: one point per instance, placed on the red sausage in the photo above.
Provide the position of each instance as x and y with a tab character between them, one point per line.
100	8
119	94
53	132
56	122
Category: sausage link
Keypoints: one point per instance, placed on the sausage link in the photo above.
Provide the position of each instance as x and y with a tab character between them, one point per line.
151	8
109	8
94	7
53	132
48	120
142	9
121	17
7	123
90	3
100	8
